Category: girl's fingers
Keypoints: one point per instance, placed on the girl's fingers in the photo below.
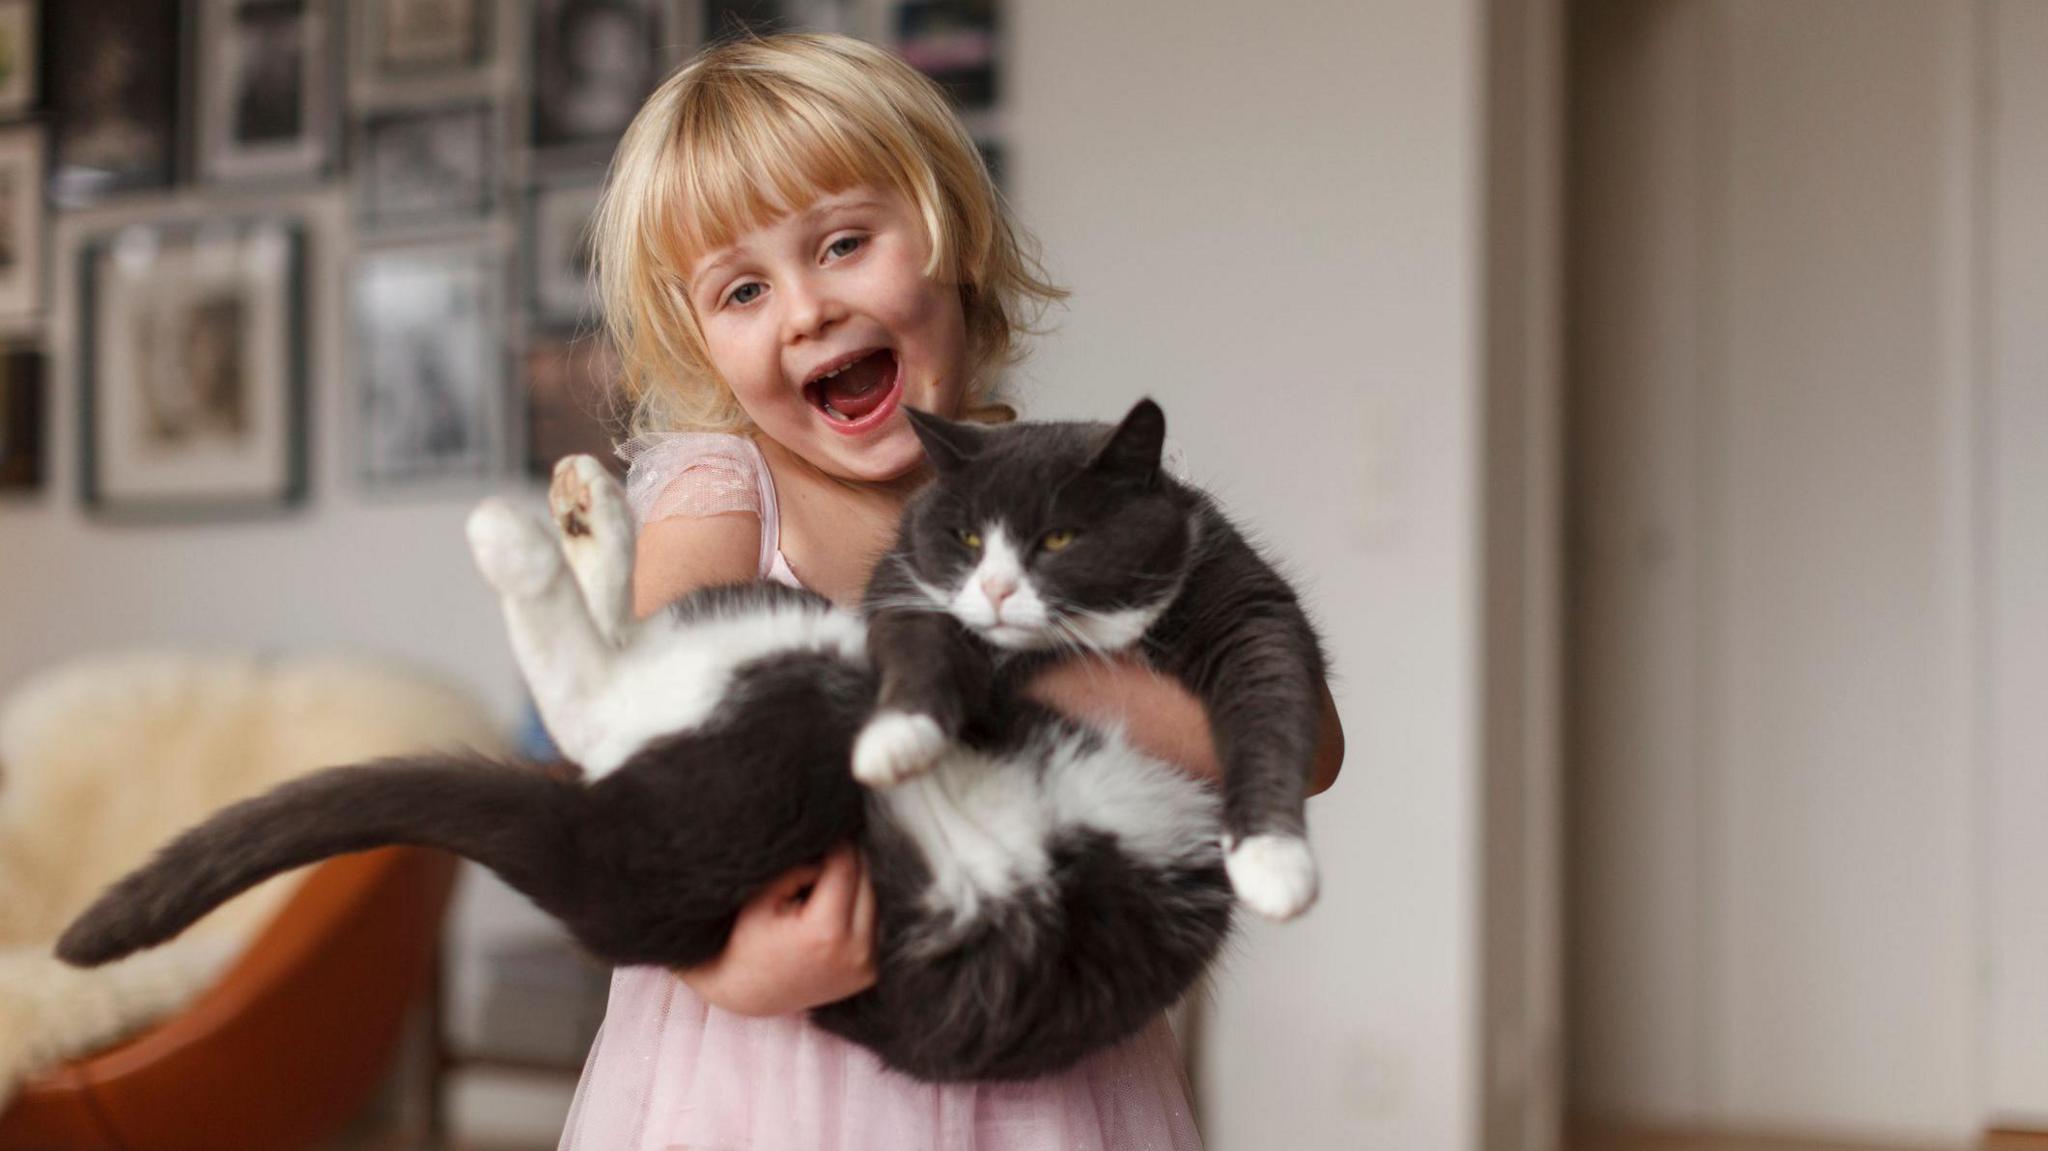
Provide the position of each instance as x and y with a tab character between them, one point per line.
832	899
860	923
782	892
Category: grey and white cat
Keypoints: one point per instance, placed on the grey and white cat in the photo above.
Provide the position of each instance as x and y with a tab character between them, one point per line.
1042	889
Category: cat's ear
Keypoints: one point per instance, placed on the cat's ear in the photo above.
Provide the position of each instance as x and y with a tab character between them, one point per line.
950	446
1133	449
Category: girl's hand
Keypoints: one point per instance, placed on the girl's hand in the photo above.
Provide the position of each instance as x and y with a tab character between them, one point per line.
808	939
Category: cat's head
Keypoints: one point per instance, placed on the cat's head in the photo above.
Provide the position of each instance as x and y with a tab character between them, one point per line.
1039	536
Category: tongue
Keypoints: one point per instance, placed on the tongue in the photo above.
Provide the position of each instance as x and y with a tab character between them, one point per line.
862	387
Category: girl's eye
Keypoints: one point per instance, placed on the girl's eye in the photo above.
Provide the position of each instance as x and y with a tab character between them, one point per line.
844	246
746	293
970	537
1054	541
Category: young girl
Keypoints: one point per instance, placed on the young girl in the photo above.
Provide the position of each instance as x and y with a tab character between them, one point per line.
798	239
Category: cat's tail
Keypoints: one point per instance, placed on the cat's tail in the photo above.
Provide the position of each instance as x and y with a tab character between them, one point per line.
513	819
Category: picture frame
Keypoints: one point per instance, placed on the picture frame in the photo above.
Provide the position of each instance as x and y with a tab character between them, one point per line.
569	382
116	115
268	94
192	369
955	42
723	19
23	422
21	50
430	363
594	61
408	38
21	221
428	165
559	293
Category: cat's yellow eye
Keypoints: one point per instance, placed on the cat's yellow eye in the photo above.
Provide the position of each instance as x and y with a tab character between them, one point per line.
1054	541
970	537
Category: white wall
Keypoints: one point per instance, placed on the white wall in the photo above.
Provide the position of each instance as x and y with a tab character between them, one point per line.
1269	218
1775	321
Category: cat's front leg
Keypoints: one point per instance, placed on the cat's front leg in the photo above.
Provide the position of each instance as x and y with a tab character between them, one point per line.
933	675
596	528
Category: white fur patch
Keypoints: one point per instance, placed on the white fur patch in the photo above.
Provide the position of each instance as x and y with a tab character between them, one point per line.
669	679
595	529
517	555
1273	875
896	745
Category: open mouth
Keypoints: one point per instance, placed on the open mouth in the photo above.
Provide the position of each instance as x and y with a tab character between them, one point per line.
859	394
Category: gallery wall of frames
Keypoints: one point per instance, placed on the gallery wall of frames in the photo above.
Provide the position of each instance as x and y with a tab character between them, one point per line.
468	139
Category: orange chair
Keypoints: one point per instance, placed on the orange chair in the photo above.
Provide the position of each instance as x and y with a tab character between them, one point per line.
288	1046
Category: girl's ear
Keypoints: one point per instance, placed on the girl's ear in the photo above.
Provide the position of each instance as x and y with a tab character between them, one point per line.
950	446
1133	449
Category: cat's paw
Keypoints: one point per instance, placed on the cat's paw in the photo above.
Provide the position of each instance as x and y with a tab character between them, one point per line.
1273	875
896	745
587	502
512	550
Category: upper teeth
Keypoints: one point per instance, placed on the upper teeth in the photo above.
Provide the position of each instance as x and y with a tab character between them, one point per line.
835	371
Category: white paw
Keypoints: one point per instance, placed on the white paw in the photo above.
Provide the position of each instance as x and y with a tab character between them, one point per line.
896	745
513	551
587	503
1273	875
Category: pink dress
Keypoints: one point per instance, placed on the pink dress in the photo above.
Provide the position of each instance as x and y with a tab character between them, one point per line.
670	1072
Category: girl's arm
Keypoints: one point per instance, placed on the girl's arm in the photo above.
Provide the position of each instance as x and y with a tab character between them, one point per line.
1163	717
809	938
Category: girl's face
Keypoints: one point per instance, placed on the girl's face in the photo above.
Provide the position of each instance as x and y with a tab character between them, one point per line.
824	325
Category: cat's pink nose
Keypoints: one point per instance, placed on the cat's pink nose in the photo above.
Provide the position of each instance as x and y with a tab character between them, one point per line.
997	588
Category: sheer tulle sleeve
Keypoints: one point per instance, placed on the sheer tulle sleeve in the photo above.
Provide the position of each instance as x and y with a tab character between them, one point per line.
696	474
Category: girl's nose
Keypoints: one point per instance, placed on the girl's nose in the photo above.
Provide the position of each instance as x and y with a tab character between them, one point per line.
811	309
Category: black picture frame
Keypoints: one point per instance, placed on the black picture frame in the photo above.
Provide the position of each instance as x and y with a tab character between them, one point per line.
267	101
557	238
24	422
192	369
404	39
430	363
428	165
114	87
958	43
594	62
21	56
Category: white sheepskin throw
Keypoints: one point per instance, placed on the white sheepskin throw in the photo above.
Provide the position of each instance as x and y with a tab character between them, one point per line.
103	760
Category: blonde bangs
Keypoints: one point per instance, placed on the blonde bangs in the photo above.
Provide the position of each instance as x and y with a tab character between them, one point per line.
757	128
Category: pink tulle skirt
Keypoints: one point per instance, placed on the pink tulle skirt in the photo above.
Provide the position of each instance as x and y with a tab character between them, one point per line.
671	1073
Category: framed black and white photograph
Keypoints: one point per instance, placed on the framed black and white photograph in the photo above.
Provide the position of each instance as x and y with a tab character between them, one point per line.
115	107
268	96
570	385
20	58
430	363
594	61
192	368
724	19
558	291
954	42
411	37
23	460
428	165
21	221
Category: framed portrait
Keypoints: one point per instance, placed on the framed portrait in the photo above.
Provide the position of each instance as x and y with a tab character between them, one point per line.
192	368
572	401
22	459
115	109
430	363
954	42
724	19
428	165
558	288
21	74
594	61
411	37
268	94
21	220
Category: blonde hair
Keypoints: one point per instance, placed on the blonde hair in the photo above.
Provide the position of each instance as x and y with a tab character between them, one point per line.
758	127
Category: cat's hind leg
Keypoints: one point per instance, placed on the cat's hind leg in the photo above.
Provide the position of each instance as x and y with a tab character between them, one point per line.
596	528
566	659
